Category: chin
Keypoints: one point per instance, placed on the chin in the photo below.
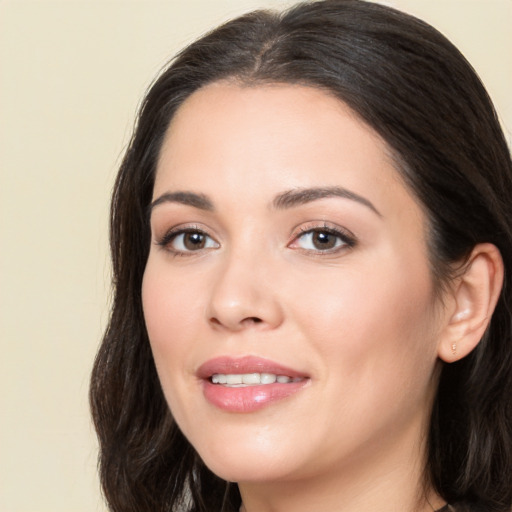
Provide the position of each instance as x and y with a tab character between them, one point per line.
257	459
243	469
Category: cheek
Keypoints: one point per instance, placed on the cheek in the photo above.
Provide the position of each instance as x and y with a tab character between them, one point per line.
372	322
374	342
170	301
171	311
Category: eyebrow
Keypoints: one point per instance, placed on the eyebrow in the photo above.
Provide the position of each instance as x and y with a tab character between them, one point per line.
296	197
199	201
283	201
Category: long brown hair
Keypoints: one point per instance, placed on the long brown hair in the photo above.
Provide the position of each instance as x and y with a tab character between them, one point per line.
412	86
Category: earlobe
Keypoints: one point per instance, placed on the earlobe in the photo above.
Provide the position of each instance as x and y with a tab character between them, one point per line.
474	297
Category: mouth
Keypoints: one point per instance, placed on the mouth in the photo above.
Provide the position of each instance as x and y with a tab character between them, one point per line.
234	380
249	383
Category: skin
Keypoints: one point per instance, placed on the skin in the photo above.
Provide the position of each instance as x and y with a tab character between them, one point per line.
359	320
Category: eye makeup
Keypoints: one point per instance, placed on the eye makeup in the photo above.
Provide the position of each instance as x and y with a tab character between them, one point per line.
322	238
184	240
318	238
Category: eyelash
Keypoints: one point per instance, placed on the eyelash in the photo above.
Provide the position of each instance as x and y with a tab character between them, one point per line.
347	239
166	240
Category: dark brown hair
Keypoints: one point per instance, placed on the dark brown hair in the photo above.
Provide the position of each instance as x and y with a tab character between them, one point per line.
412	86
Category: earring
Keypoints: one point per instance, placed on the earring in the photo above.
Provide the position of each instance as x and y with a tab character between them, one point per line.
454	348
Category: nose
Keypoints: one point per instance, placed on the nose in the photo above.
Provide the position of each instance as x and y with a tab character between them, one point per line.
244	296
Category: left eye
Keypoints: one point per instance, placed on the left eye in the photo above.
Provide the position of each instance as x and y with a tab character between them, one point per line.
188	241
321	240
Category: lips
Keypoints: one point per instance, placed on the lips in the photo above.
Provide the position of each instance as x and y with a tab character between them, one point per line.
249	383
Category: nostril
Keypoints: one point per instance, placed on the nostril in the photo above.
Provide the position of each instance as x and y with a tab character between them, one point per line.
254	320
235	323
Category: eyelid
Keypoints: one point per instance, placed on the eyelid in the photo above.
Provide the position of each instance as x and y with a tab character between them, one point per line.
169	235
346	236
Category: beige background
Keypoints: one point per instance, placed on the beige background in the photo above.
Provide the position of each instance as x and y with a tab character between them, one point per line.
72	73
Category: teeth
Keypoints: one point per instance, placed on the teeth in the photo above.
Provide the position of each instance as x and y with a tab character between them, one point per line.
250	379
233	379
268	378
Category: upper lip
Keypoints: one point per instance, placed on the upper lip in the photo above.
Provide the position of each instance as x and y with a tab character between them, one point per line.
245	364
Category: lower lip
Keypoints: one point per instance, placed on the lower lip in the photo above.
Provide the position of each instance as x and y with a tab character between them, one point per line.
249	398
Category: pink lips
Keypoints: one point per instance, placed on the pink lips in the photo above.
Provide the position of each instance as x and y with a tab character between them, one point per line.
250	398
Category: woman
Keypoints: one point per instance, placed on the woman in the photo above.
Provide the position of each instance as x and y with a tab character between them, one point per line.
310	234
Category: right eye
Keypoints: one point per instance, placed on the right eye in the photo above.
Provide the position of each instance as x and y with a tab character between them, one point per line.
187	240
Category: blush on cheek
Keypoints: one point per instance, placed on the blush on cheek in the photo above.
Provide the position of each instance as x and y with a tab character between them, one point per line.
151	304
159	315
171	312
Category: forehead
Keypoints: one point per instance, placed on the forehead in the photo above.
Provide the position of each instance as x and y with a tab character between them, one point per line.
234	141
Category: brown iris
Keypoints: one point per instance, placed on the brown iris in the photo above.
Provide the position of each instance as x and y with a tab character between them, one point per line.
323	240
194	241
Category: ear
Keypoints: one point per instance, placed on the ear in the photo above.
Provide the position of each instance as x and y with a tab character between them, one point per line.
472	301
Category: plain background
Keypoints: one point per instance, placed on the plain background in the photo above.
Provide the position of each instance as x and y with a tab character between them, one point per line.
72	73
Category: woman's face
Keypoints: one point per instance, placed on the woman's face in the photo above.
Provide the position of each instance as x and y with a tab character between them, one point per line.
287	294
